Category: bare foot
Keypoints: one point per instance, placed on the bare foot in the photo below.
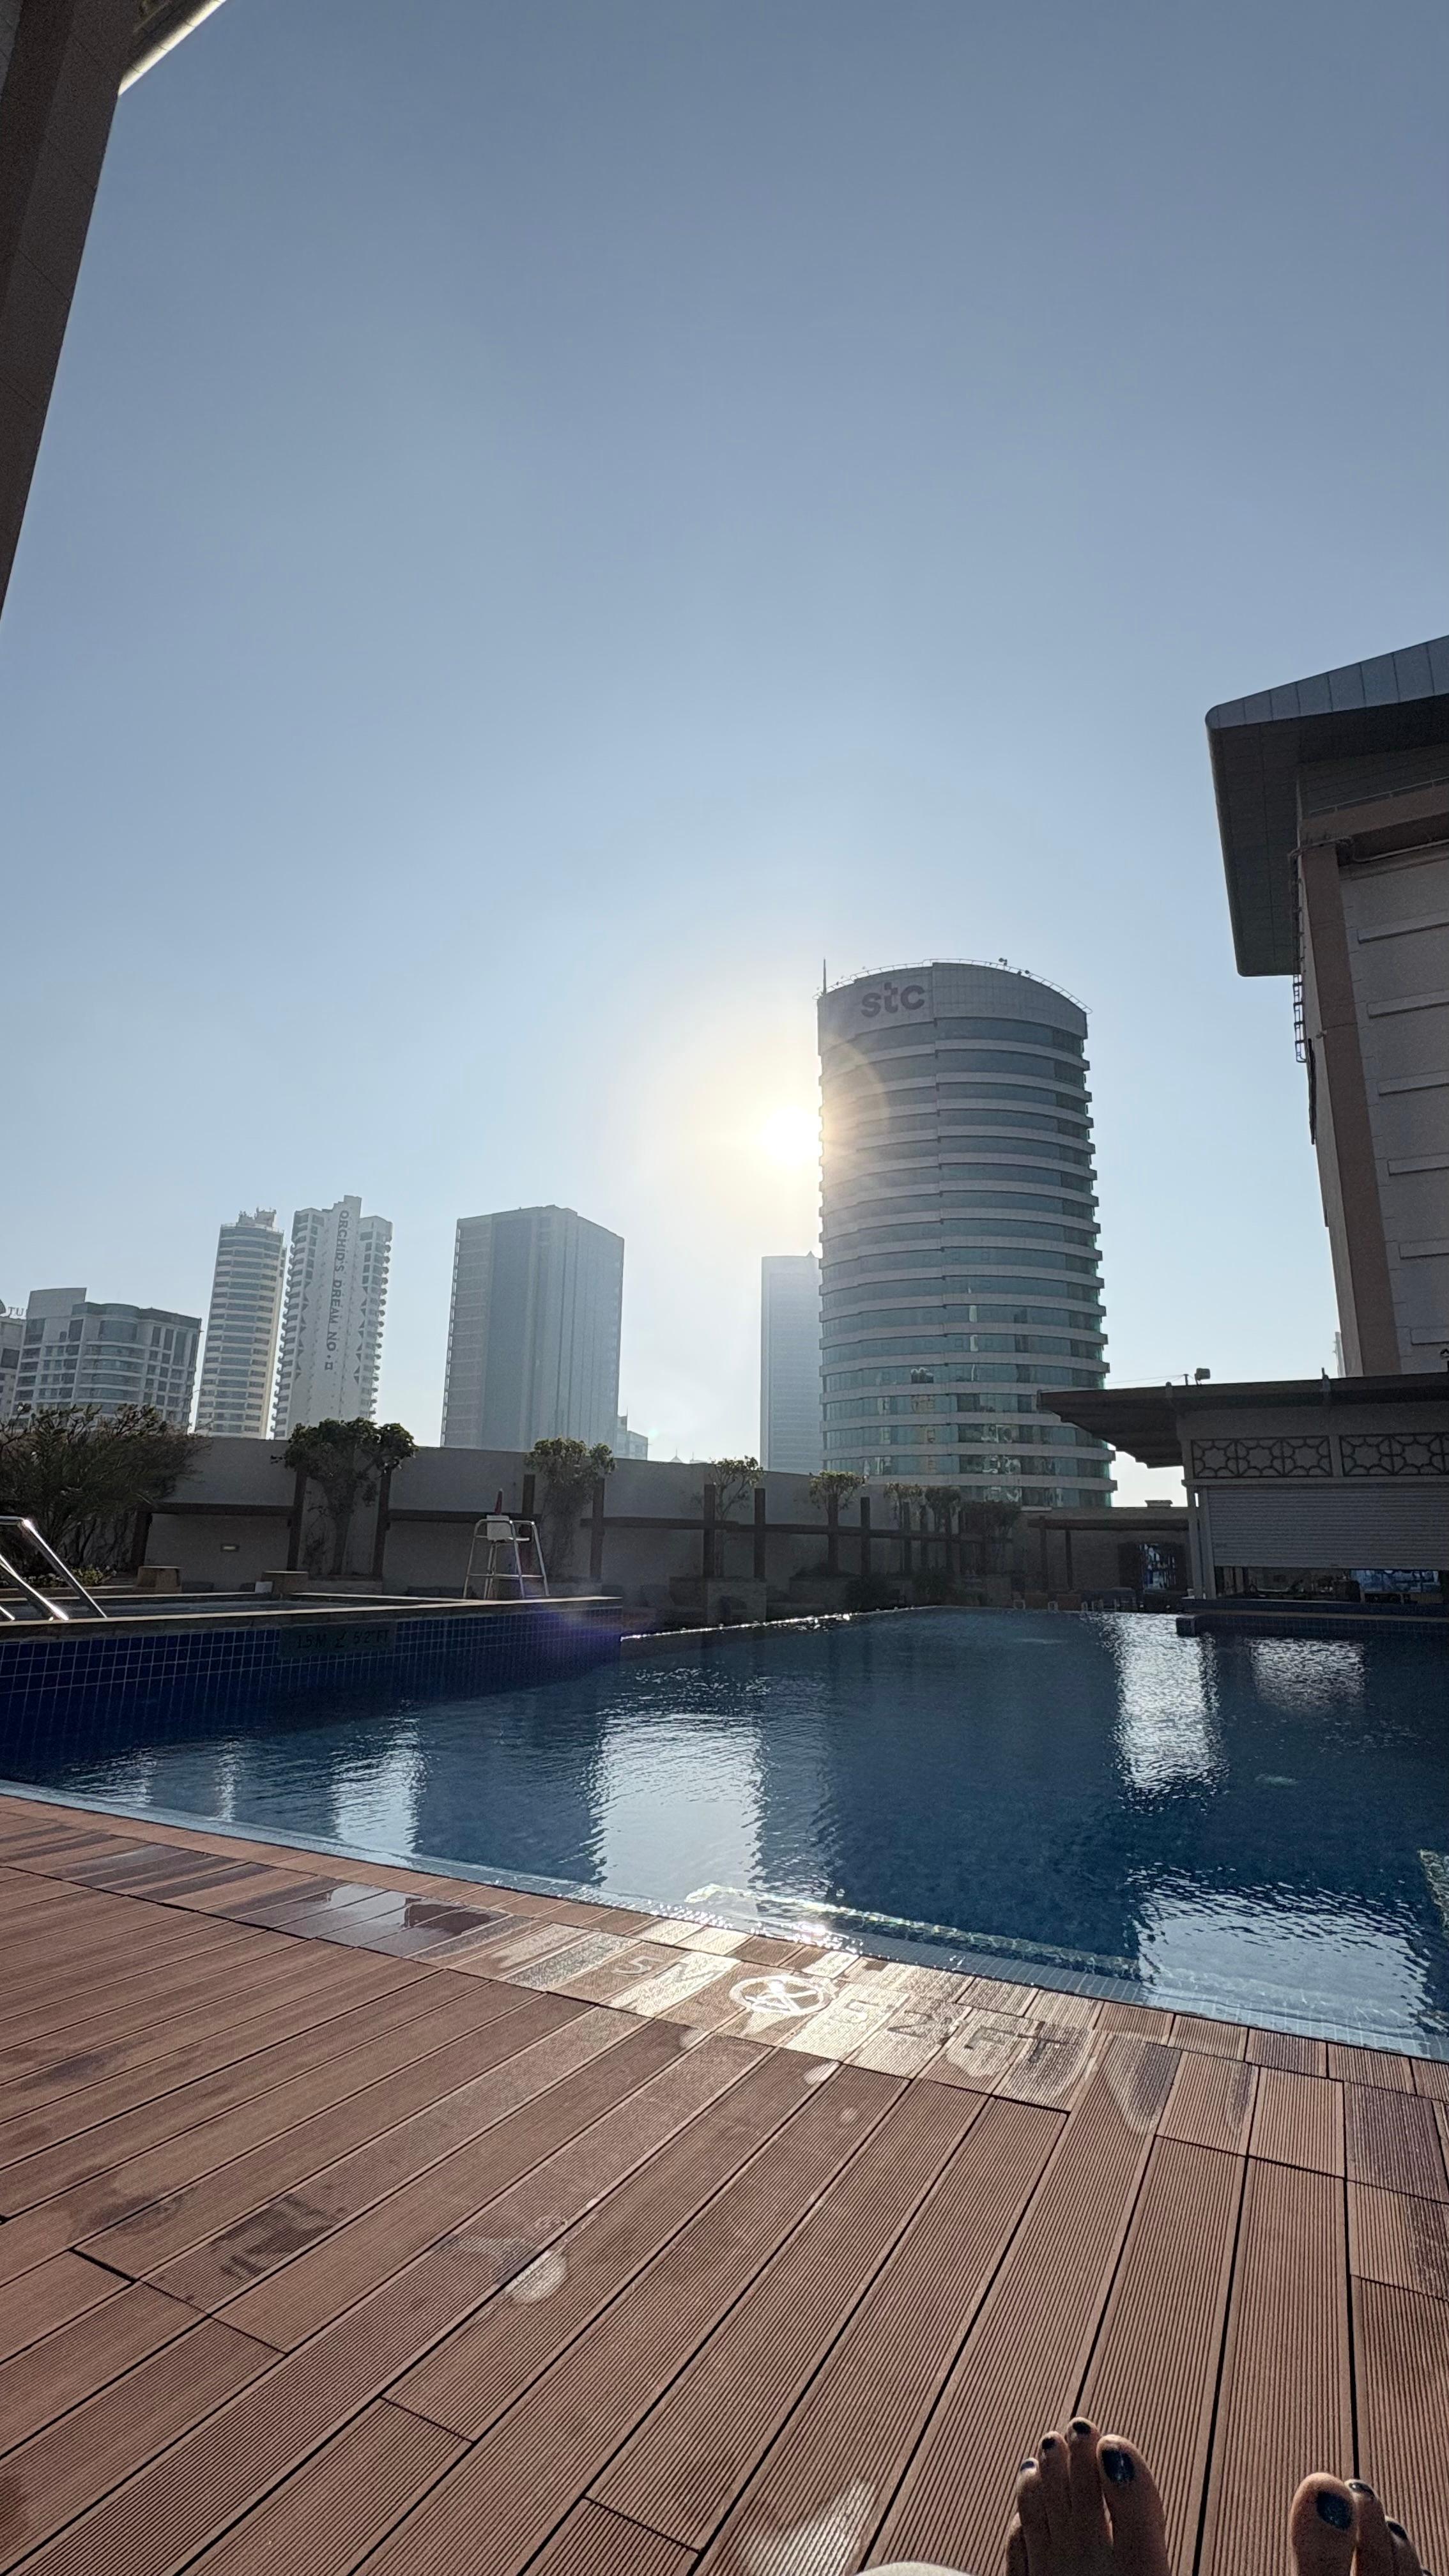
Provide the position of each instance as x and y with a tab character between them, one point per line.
1341	2530
1087	2506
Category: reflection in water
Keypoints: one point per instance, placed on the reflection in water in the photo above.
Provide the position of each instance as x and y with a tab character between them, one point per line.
1165	1730
676	1769
375	1797
1214	1823
1302	1674
1340	1961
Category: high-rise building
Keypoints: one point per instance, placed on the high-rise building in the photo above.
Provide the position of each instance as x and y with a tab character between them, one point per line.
61	66
241	1327
533	1331
1333	805
959	1267
627	1443
333	1318
73	1352
790	1363
12	1342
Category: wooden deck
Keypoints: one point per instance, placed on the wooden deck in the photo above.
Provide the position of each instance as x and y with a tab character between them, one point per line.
354	2218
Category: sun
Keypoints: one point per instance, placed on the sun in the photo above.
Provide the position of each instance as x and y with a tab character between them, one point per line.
791	1137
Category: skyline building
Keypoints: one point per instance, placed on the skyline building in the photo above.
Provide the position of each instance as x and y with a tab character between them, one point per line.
790	1363
627	1443
333	1318
533	1330
242	1325
959	1266
76	1351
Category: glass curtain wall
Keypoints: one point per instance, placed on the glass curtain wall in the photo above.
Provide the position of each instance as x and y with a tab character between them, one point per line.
960	1266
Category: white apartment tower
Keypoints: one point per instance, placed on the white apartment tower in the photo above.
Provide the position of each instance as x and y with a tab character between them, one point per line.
333	1318
241	1328
790	1363
533	1335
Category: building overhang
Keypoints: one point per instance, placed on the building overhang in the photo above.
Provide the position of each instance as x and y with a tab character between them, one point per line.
160	24
1151	1422
1257	746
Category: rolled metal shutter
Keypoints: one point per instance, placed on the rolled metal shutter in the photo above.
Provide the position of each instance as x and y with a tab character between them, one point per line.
1377	1527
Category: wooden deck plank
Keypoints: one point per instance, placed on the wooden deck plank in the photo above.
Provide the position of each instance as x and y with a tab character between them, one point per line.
1298	2120
593	2542
89	2151
1284	2406
76	2461
370	2213
1392	2139
1210	2038
1286	2049
480	2367
279	2139
681	2471
1369	2066
234	2059
74	2362
1398	2240
1024	2360
1401	2347
103	2012
1155	2379
514	2487
51	2296
607	2121
325	2517
810	2507
638	2374
1211	2103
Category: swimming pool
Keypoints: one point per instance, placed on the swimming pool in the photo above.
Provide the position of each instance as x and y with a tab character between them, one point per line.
1252	1827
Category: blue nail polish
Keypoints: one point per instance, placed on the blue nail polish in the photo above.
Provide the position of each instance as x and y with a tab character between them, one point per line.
1049	2441
1397	2528
1334	2508
1117	2466
1080	2427
1025	2465
1360	2486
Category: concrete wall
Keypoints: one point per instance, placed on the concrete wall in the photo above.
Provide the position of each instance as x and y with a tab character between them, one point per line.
231	1521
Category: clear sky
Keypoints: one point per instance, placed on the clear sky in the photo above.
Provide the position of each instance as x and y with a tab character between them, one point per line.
557	518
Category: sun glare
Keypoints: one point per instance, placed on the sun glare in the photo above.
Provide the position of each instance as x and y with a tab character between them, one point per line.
791	1136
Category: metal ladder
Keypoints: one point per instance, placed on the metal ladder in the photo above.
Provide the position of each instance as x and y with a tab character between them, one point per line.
506	1576
43	1602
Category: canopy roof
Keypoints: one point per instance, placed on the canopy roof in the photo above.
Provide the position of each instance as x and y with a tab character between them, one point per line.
1149	1421
1396	702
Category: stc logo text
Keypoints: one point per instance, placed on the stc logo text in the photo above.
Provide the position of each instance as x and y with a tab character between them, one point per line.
891	996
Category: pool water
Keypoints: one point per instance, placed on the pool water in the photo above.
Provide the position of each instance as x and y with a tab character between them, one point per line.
1257	1828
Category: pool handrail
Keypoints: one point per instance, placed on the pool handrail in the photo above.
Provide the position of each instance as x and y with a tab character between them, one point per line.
42	1600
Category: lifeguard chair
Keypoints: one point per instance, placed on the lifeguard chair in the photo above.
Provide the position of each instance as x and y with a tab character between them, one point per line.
512	1568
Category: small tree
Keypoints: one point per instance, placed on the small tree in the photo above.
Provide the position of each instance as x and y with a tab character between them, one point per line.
905	1497
991	1523
834	1485
82	1475
734	1481
346	1461
568	1471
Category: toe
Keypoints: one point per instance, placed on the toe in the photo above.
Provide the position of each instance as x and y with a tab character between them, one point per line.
1373	2539
1321	2527
1016	2549
1139	2529
1407	2561
1091	2535
1056	2489
1031	2517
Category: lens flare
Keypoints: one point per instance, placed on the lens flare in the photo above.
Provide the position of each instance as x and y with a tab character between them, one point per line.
791	1136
